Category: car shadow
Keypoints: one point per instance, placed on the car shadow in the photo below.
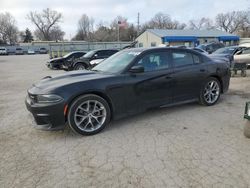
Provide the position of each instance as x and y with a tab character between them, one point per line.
150	115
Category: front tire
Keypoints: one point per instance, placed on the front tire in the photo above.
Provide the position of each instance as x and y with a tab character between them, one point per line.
79	66
210	92
88	114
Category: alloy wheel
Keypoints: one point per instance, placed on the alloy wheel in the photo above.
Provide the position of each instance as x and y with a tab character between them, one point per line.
90	115
211	92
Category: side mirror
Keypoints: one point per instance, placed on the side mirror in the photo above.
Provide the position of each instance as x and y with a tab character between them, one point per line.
137	69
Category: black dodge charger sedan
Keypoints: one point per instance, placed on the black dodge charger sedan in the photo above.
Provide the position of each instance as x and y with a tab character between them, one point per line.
129	82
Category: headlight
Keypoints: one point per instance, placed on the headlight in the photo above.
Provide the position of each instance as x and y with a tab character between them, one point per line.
51	98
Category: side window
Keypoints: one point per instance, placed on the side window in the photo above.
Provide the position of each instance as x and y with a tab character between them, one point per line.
246	51
154	61
111	52
77	55
182	58
197	59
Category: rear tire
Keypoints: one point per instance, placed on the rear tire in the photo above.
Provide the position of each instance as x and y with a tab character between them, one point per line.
210	92
243	73
88	114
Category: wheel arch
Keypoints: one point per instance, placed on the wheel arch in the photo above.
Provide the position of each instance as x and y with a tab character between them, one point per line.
220	80
79	62
98	93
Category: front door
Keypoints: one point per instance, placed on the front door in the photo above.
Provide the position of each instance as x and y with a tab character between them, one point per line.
153	87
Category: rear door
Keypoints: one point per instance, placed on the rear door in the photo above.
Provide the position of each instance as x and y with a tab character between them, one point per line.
189	74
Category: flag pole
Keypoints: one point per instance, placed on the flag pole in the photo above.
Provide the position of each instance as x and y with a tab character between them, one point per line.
118	33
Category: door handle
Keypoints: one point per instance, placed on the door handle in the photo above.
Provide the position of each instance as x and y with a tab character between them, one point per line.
202	70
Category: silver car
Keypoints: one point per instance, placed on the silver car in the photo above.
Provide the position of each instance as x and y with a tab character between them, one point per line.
3	51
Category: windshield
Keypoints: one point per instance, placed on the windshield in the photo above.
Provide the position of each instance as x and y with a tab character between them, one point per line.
203	47
225	50
117	62
89	54
67	55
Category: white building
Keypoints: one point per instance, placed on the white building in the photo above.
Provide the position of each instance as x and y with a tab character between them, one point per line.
191	38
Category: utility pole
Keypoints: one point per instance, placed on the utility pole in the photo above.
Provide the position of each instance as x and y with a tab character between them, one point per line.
138	23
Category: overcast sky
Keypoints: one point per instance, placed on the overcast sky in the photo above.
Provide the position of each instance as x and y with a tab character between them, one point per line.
106	10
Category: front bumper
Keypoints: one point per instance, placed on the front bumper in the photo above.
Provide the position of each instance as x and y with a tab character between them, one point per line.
47	116
65	67
54	65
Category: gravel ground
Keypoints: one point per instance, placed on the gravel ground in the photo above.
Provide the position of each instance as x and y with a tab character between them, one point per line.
183	146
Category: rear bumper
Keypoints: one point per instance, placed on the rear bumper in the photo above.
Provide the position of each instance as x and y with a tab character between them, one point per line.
47	117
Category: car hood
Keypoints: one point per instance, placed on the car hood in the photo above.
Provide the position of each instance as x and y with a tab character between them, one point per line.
56	59
219	55
50	83
225	57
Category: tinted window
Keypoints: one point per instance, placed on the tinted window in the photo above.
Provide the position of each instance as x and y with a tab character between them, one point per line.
77	55
111	52
154	61
182	58
196	59
103	53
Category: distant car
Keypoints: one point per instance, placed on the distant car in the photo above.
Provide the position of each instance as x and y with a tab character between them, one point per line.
31	52
243	56
3	51
246	44
211	47
227	52
43	51
84	61
19	51
56	63
200	50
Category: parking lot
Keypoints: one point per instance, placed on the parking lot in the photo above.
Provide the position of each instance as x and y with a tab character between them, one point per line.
183	146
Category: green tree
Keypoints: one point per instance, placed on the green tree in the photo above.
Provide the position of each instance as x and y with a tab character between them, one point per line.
27	36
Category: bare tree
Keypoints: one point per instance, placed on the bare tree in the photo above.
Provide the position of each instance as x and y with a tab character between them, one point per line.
232	22
203	23
85	28
8	29
56	34
45	21
163	21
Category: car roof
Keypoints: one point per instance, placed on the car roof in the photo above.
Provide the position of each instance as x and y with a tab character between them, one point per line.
103	50
156	48
76	52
